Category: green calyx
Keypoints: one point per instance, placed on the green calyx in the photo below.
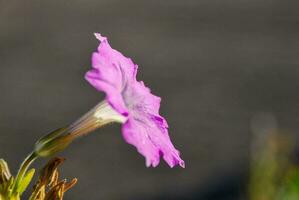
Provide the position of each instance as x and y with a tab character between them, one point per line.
53	143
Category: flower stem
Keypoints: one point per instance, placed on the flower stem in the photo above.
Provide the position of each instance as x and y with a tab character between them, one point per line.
23	169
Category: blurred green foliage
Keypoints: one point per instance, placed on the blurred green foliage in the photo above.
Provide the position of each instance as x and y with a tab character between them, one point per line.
274	174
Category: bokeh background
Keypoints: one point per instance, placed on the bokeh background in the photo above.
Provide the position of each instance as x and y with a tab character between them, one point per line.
216	64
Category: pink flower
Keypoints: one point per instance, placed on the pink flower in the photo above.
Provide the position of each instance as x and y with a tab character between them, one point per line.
137	107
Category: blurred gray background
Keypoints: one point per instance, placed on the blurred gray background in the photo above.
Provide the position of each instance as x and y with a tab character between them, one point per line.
216	63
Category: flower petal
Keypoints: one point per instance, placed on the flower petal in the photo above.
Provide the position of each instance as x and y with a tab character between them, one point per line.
152	141
140	100
114	98
110	74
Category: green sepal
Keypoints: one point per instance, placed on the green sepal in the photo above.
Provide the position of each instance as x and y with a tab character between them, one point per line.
50	136
52	143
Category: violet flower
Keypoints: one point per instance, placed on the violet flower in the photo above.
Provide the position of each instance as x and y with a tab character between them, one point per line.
129	102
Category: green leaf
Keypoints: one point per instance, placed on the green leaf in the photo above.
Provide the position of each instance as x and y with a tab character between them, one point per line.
26	180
